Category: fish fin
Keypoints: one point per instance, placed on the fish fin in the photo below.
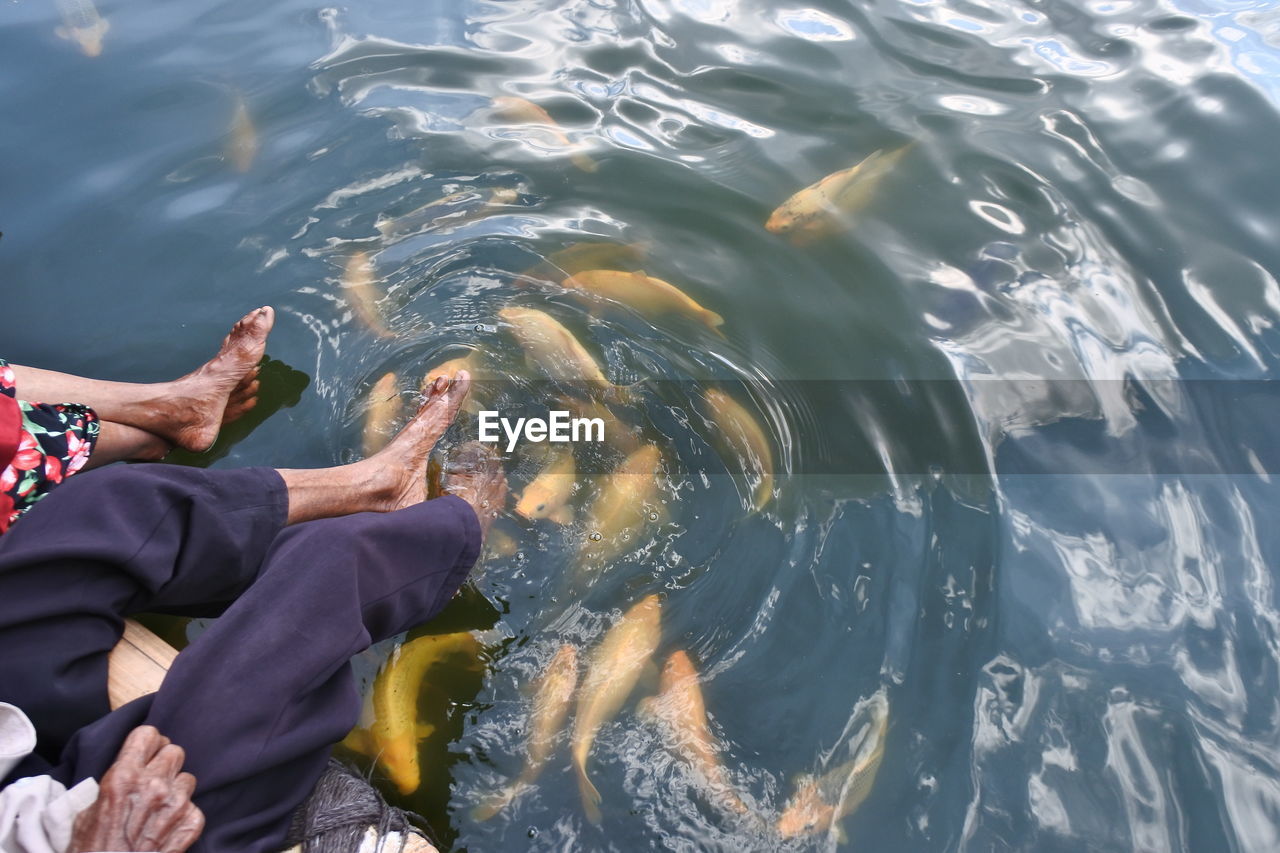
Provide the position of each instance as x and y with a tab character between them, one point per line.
645	708
590	796
360	741
564	515
63	33
842	837
424	730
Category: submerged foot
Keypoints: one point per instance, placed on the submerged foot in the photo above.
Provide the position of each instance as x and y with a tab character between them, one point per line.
222	389
402	464
474	473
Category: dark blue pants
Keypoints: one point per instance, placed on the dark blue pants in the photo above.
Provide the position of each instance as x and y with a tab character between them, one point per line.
259	698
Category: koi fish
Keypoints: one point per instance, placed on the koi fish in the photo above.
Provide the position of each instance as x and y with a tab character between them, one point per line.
242	143
358	287
680	707
392	737
547	342
647	295
458	208
384	406
579	257
742	434
521	111
612	672
816	211
623	505
550	708
819	804
82	24
548	495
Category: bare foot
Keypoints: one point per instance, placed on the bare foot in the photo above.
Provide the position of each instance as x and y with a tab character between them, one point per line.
402	464
196	406
474	473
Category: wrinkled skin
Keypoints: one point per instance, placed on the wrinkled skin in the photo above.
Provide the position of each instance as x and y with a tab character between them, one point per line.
144	801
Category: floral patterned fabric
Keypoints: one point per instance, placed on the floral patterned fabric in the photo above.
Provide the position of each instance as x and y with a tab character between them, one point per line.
55	442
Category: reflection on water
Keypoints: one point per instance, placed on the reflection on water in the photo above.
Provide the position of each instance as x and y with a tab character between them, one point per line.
1005	508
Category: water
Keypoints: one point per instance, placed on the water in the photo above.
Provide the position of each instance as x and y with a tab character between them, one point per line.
1021	408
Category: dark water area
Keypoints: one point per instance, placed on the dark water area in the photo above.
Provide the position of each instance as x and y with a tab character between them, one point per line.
1019	403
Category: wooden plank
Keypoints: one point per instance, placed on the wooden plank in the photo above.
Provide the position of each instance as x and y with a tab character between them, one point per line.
137	665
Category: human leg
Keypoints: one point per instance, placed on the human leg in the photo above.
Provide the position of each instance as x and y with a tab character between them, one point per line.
187	412
119	443
151	537
258	699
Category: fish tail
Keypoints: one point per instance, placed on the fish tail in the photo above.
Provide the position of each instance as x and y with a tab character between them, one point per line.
590	796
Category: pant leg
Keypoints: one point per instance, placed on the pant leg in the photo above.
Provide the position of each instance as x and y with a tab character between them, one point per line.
258	700
107	544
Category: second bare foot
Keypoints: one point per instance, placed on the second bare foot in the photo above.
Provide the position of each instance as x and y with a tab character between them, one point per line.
402	464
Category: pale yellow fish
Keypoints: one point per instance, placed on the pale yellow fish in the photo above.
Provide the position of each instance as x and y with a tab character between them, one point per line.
651	297
680	707
548	343
521	111
742	434
822	209
818	804
384	406
454	209
550	708
616	433
450	368
82	24
392	736
625	506
612	672
578	257
500	544
548	495
242	141
362	294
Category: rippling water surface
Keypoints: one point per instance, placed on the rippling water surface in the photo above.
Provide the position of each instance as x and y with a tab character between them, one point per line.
1019	404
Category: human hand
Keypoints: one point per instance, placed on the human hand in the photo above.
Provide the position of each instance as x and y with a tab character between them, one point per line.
144	801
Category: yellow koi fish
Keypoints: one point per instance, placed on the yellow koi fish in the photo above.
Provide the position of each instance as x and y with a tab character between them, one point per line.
816	211
680	707
742	434
453	209
384	406
392	737
612	672
649	296
819	804
548	495
359	289
82	24
624	506
616	433
579	257
550	708
521	111
548	343
242	142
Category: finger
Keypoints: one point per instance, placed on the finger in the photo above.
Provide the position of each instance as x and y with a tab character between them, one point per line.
139	747
185	831
168	817
167	763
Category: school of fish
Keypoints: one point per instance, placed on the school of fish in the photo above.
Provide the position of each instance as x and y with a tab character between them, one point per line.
612	514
